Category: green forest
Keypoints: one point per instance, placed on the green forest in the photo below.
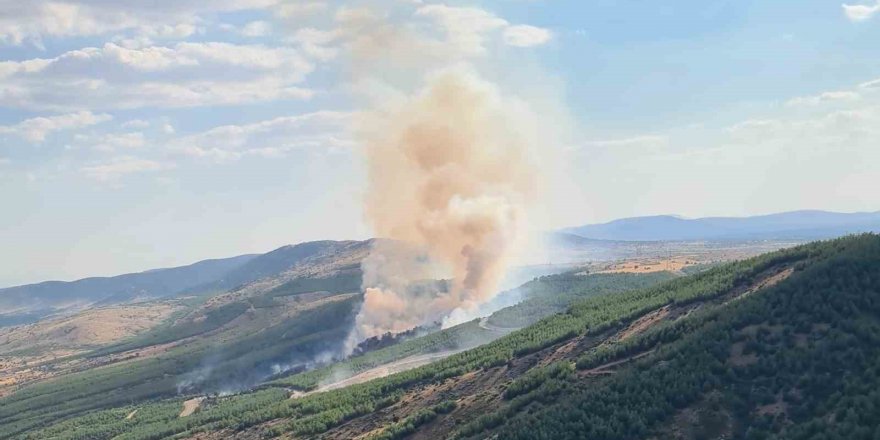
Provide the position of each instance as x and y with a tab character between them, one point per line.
737	357
800	361
247	360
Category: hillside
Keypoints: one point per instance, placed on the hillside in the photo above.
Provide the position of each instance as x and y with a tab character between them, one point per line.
794	357
274	326
29	302
284	259
302	302
785	344
803	225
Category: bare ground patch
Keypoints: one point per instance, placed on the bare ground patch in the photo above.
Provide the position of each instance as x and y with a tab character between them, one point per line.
650	265
190	406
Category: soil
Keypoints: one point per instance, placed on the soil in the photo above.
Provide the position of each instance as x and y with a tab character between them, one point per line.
190	406
650	265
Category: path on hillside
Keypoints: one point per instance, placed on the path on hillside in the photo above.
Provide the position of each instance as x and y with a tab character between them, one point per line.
607	368
484	324
380	371
388	369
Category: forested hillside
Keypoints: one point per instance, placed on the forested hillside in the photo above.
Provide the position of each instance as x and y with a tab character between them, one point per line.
224	342
779	346
243	341
543	297
800	360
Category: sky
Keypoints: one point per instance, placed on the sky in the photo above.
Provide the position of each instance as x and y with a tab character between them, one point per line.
136	135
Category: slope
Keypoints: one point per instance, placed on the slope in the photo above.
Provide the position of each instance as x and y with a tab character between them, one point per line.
283	259
37	300
223	342
240	346
798	361
600	346
541	297
29	303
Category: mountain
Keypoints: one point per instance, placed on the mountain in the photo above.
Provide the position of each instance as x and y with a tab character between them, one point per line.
299	303
785	345
255	332
801	225
283	259
28	303
157	283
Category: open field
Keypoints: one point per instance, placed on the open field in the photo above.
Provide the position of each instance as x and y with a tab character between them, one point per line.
87	329
49	348
649	265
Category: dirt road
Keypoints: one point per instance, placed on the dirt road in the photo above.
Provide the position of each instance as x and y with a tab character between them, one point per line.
380	371
484	324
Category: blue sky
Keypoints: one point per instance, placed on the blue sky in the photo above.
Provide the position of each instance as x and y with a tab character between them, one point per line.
140	136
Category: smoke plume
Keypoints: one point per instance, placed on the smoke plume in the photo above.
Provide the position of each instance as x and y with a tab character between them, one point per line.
450	181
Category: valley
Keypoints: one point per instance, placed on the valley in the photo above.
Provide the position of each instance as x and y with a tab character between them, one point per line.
439	220
609	325
264	358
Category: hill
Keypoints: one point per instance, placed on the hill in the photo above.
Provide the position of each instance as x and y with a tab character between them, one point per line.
802	225
35	300
280	260
302	299
29	303
784	345
236	339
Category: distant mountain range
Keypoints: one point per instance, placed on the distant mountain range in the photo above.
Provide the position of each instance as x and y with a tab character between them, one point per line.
28	303
807	225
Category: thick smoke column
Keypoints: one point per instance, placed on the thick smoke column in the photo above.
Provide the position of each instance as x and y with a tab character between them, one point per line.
450	176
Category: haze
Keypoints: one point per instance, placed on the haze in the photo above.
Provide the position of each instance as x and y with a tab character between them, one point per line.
139	139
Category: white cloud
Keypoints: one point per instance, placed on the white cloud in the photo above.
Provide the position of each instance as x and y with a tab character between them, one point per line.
824	98
352	15
433	33
183	75
136	123
214	154
113	141
317	43
33	20
870	85
854	129
257	29
526	36
253	29
165	31
787	161
643	141
860	12
468	28
121	166
299	9
465	27
36	129
754	129
274	137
